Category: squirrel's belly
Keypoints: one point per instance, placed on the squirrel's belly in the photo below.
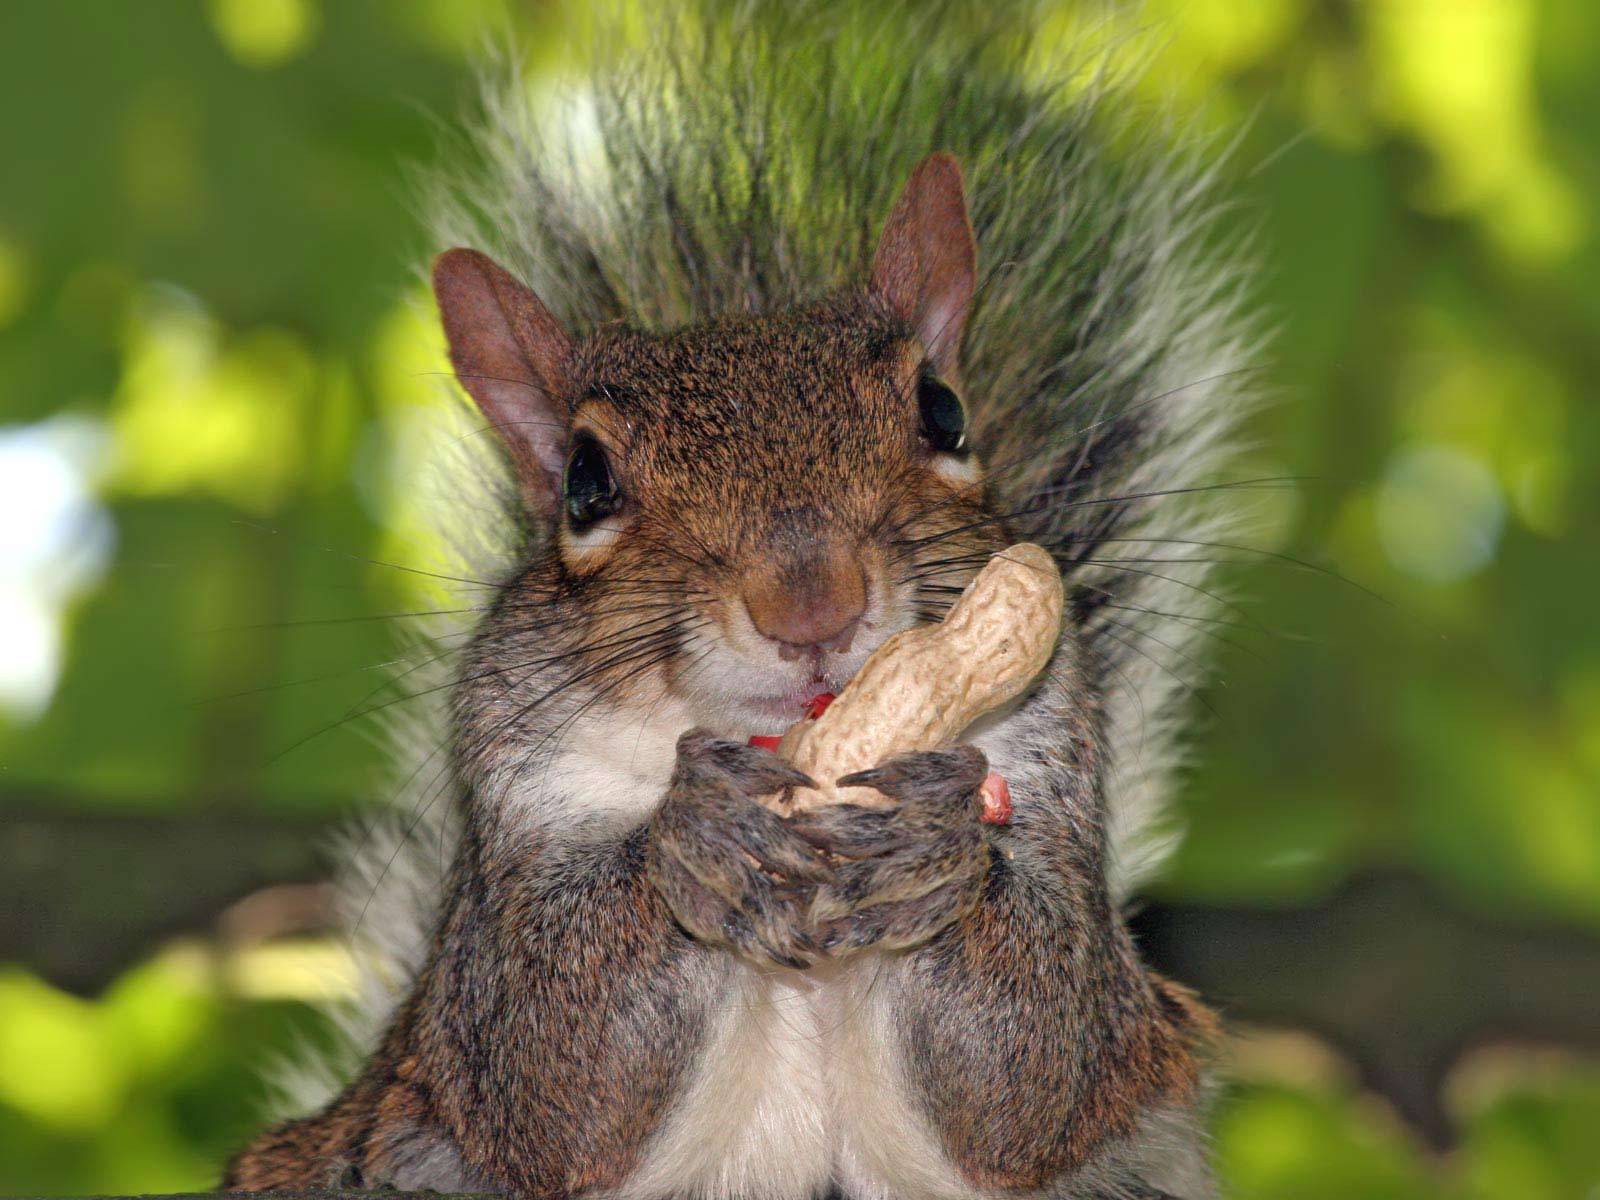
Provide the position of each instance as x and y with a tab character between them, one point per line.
883	1148
798	1095
755	1120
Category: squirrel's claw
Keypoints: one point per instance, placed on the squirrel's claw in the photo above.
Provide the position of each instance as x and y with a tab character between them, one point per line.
750	769
915	867
733	873
956	773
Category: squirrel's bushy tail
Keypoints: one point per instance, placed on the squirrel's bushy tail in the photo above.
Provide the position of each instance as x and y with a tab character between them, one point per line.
736	157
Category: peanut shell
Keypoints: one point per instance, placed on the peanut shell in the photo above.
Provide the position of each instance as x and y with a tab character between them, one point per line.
924	686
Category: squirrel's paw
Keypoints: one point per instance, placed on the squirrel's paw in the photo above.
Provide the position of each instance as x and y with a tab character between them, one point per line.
911	870
730	870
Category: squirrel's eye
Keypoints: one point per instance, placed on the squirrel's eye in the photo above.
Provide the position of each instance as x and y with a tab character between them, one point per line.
588	489
944	421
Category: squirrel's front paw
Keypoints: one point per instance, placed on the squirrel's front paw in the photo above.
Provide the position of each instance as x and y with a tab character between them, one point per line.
731	870
911	870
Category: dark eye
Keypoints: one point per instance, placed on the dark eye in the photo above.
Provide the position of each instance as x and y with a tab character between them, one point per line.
588	489
944	421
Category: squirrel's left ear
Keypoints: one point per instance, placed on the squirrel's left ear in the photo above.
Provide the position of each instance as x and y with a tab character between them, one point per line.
511	355
927	264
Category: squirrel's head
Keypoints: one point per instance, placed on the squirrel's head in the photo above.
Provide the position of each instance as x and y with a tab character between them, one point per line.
749	506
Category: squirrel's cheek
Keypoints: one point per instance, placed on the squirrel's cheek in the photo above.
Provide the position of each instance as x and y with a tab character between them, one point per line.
960	469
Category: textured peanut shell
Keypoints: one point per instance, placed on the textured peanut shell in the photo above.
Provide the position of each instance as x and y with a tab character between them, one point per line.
922	687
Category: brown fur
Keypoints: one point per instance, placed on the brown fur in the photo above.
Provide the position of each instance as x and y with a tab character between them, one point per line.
571	985
1033	1033
520	1048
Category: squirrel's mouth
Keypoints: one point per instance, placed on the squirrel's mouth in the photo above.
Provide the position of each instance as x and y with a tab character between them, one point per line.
738	680
784	709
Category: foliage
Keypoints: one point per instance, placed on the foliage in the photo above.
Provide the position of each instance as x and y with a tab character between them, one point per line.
217	379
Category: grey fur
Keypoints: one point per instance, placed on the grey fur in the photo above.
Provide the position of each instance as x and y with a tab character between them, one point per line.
743	157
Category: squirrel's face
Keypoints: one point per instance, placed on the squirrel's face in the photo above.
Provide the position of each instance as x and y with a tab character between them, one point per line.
774	477
742	510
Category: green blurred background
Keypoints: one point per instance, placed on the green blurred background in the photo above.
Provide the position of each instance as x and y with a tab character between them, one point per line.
215	387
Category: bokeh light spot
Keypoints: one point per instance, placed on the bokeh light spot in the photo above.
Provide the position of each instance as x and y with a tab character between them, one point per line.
54	1060
1439	513
198	410
264	33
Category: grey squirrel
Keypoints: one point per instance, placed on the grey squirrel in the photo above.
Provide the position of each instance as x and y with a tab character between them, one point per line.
760	412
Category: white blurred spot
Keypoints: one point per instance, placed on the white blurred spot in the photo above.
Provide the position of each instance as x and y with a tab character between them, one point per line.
30	653
1440	512
55	540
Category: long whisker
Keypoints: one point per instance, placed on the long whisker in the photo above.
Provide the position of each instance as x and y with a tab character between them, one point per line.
292	683
638	633
1135	631
1119	564
1187	686
994	471
1036	507
361	558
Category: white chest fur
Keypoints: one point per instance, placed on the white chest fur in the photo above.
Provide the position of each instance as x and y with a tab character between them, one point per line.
755	1119
799	1085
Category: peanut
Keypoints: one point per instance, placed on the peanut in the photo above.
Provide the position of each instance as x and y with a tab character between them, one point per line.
923	686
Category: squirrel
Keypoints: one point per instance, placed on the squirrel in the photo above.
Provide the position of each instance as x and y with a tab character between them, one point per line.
775	362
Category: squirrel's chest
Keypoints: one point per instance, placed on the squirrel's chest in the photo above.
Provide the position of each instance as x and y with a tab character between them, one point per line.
797	1093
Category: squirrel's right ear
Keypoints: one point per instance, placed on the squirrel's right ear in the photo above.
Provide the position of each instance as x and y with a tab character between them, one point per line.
511	356
926	265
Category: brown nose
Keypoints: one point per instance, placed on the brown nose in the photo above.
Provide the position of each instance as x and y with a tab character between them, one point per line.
812	601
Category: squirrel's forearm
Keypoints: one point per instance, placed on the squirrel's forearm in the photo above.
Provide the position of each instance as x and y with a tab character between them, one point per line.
1032	1034
543	1043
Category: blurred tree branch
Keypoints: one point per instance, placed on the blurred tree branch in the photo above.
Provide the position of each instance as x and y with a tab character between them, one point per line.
1392	974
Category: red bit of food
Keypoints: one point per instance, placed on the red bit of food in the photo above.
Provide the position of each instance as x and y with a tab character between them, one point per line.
814	708
818	705
996	800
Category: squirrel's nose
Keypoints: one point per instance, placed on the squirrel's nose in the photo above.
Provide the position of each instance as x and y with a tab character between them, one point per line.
815	602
